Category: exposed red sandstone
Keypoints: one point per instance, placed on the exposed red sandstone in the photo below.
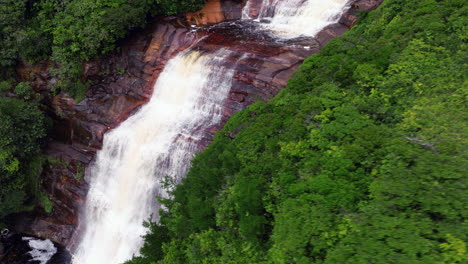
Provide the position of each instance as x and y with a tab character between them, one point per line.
123	82
216	11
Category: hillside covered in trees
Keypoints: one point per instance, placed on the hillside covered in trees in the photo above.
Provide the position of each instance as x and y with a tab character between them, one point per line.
361	159
65	33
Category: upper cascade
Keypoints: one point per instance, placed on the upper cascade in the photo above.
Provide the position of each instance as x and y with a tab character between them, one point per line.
294	18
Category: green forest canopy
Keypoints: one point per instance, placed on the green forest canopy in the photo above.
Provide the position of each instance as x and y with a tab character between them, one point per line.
361	159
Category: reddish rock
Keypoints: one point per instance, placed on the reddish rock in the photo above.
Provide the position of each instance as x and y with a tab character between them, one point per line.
237	96
211	13
216	11
361	5
348	20
232	9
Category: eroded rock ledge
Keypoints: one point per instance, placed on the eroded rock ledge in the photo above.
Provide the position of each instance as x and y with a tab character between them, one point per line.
122	82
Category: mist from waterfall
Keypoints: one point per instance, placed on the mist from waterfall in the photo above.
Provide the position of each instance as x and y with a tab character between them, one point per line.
156	142
294	18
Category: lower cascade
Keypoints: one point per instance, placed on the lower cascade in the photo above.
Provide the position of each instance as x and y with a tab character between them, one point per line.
156	142
159	141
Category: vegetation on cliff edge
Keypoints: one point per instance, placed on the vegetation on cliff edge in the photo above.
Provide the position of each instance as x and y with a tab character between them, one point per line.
361	159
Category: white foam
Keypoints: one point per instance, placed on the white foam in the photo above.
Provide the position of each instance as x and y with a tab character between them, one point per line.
42	250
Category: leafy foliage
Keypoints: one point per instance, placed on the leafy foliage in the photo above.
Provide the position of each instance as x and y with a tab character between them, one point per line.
11	13
361	159
72	31
22	128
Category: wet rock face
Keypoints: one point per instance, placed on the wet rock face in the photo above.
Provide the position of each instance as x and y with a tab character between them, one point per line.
122	82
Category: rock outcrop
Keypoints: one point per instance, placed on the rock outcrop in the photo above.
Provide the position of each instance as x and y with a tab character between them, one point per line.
122	82
216	11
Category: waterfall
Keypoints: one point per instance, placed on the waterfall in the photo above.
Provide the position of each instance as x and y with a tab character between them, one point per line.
156	142
160	140
294	18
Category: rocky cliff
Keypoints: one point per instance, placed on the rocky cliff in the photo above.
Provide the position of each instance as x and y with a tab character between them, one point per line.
123	81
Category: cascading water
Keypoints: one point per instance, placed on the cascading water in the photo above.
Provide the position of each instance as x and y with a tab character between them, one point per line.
161	138
158	141
294	18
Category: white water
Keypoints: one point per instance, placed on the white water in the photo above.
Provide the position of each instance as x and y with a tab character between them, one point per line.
294	18
42	250
158	141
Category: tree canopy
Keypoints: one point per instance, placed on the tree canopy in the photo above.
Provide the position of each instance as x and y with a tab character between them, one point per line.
22	129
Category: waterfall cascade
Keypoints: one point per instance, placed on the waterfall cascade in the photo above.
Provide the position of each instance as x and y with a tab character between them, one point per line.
160	139
293	18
